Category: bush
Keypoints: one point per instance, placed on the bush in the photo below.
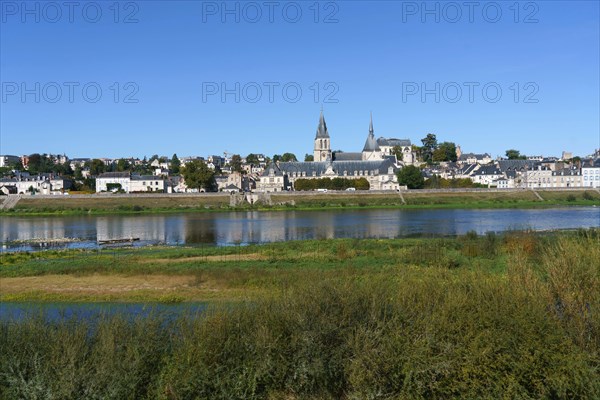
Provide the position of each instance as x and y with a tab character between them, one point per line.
571	198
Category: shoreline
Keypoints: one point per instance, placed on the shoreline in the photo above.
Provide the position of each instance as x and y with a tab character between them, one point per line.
300	201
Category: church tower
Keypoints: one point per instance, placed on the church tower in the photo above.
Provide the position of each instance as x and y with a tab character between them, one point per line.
322	150
371	151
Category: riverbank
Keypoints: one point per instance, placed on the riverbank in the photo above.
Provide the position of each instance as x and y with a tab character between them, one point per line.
414	199
238	273
492	316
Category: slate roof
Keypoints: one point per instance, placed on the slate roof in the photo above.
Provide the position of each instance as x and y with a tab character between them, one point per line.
310	168
114	175
505	165
146	178
488	170
343	156
464	156
322	132
467	169
393	142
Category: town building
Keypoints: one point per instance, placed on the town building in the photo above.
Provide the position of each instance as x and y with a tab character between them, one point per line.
6	160
125	181
590	172
24	183
372	164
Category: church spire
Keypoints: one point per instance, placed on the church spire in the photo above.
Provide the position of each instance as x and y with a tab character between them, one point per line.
371	132
322	132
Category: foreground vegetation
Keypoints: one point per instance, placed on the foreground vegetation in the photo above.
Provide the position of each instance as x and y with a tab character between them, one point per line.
115	204
512	316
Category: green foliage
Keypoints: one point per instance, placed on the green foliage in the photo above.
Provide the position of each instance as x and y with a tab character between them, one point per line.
175	164
123	165
309	157
513	154
113	187
96	167
197	175
331	184
411	177
429	146
287	157
446	151
252	159
236	163
429	322
435	182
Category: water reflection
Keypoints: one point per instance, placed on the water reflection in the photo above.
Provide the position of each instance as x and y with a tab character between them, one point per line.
258	227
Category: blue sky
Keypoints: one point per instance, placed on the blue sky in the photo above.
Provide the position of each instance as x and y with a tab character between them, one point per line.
161	67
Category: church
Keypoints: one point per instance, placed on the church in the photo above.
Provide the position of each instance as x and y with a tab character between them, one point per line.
377	163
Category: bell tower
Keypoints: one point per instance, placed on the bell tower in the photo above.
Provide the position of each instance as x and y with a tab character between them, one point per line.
322	149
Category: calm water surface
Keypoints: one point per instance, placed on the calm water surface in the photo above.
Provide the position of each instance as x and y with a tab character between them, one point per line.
17	311
16	233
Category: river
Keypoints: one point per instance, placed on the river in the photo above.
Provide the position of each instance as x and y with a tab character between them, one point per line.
232	228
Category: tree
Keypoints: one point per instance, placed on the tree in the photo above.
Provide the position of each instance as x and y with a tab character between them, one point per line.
287	157
236	163
96	167
411	177
197	175
446	151
276	157
513	154
309	157
429	146
175	164
252	159
123	165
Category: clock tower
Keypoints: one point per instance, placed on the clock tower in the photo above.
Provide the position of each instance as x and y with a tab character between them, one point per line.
322	149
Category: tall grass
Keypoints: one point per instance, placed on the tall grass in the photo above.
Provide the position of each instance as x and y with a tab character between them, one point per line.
418	329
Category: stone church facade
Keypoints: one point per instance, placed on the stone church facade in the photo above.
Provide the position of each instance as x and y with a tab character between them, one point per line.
377	163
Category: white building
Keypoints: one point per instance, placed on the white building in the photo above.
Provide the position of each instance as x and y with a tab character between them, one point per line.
7	160
540	177
590	173
130	183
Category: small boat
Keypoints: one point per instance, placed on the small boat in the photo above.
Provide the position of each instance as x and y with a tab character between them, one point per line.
116	241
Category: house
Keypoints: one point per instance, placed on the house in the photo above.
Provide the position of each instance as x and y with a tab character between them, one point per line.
540	177
472	158
6	160
387	145
590	172
111	181
487	175
78	162
24	183
567	177
147	183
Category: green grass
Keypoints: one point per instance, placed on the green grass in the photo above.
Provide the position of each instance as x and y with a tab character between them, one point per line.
218	203
512	316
